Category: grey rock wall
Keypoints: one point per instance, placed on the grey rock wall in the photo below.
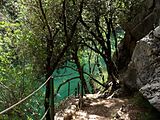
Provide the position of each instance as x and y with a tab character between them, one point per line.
143	71
137	28
139	55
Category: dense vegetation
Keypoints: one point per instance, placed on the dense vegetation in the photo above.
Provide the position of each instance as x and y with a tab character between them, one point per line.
40	38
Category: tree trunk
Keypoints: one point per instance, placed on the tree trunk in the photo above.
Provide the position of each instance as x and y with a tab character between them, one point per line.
47	95
90	72
49	73
80	71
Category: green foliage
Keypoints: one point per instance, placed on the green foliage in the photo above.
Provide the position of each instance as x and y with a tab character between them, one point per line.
17	76
126	10
24	33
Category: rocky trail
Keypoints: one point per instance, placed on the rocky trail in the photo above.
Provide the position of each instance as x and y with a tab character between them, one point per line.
98	108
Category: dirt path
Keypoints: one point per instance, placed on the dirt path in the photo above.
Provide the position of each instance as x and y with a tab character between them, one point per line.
95	108
104	109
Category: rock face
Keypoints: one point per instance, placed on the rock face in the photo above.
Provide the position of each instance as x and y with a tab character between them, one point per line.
142	57
141	24
143	71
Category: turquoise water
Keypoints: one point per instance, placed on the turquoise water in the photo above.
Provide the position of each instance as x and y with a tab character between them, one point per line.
65	74
70	73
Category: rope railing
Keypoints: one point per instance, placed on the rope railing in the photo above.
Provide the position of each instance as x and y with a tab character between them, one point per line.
11	107
45	114
31	94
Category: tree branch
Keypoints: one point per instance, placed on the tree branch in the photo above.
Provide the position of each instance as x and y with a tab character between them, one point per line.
64	84
115	38
88	75
97	24
94	79
65	19
95	50
45	18
79	16
100	40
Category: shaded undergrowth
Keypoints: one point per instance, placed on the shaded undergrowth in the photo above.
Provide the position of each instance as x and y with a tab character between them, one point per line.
148	112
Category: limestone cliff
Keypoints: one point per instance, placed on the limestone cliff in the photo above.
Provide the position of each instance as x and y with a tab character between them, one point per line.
136	28
143	71
139	58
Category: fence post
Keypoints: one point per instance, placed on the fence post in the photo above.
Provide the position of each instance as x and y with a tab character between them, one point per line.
52	99
78	86
81	96
81	88
68	89
75	92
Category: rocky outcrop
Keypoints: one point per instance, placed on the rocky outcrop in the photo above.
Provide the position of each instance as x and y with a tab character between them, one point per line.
137	28
143	71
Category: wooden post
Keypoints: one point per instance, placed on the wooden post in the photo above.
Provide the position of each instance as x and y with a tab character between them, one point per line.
75	92
78	89
52	99
68	89
81	97
81	88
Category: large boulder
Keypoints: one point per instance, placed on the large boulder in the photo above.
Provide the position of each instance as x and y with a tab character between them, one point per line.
146	18
143	71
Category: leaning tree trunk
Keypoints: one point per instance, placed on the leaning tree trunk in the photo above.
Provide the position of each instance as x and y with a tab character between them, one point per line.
80	71
90	72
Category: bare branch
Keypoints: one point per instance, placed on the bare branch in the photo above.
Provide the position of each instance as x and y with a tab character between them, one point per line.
99	39
94	79
45	19
65	19
64	84
93	49
88	75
